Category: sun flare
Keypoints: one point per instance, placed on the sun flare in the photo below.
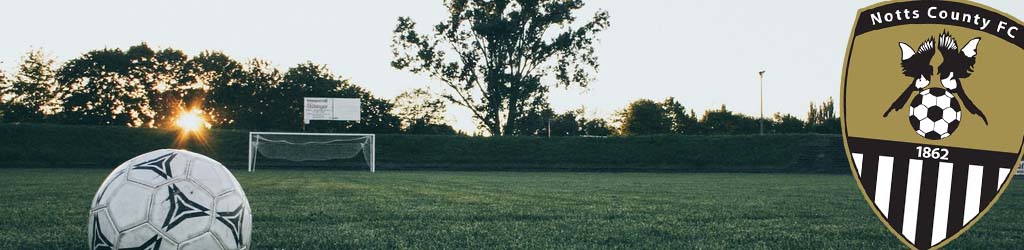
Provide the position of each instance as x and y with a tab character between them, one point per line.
191	121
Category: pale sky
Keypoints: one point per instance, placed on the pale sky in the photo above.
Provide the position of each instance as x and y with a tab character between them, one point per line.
705	53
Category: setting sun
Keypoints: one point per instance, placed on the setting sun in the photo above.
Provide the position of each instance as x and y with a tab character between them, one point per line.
191	121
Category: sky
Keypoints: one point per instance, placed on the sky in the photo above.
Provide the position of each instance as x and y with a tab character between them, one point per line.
705	53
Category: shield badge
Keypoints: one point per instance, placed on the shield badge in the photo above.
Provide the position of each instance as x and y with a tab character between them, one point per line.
931	114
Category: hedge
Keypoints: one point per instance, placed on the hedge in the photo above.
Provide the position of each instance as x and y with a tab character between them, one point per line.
47	145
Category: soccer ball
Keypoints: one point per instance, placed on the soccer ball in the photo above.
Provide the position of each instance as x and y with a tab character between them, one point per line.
170	199
935	113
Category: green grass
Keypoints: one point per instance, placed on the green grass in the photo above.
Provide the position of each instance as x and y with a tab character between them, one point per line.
306	209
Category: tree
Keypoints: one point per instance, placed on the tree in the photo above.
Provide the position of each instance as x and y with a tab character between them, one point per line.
421	112
570	123
285	101
96	88
168	86
3	88
430	129
29	96
667	117
787	124
823	118
682	122
576	123
260	80
596	127
644	117
724	122
494	54
142	71
566	124
223	93
534	123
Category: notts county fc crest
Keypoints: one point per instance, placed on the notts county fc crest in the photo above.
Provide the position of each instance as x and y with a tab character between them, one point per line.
931	110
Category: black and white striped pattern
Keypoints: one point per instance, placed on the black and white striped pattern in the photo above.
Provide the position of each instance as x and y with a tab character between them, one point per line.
927	200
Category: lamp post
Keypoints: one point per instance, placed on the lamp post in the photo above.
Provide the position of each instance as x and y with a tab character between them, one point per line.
761	76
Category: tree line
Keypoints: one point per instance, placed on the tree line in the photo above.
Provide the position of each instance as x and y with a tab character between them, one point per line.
646	117
143	87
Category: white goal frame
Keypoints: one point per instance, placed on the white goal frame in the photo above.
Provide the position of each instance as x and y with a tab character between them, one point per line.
373	146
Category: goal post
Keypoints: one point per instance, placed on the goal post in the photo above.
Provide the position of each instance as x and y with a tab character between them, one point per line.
312	147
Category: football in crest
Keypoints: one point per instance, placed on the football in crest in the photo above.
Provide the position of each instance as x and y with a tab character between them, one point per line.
935	114
170	199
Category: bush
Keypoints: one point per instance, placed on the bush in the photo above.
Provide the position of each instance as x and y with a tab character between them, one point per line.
30	145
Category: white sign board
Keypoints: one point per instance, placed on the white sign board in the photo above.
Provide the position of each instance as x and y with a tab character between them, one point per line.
332	109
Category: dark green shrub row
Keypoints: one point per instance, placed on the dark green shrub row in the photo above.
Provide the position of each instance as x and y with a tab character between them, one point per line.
73	146
28	145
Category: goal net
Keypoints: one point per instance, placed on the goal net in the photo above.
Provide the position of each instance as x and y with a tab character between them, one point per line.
311	149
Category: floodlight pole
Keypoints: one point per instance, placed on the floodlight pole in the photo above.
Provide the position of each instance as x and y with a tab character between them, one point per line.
761	76
549	127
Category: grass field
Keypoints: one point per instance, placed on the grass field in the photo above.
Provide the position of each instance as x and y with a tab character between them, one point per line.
307	209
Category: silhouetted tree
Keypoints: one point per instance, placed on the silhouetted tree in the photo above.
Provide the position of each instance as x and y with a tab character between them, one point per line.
430	129
644	117
169	87
142	69
494	54
223	95
260	80
570	123
28	97
566	124
576	123
422	112
724	122
97	88
823	118
4	84
682	122
596	127
533	123
787	124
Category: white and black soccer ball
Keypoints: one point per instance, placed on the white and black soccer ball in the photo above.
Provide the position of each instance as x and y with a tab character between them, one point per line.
935	113
170	199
